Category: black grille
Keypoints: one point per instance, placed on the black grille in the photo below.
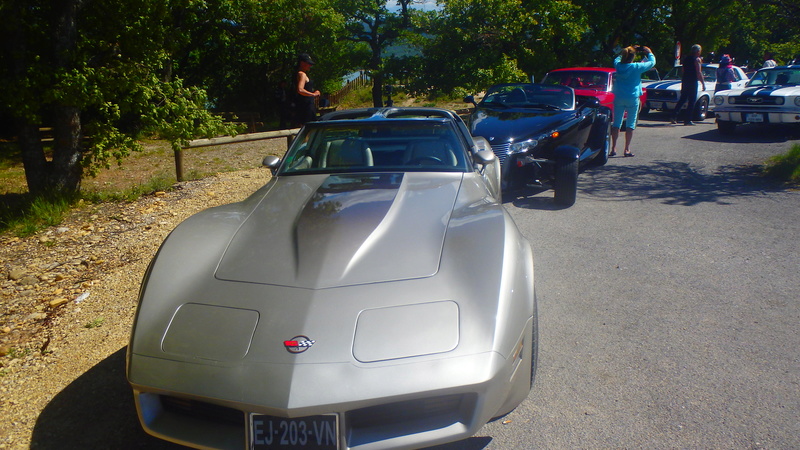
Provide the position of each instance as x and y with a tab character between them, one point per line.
756	101
661	94
202	410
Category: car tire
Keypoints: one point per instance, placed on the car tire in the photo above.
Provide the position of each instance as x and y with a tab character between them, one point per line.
566	182
726	127
700	109
602	158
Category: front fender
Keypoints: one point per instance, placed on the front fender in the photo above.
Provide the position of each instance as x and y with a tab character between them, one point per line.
566	153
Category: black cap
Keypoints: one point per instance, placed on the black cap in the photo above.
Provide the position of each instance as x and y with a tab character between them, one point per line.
304	57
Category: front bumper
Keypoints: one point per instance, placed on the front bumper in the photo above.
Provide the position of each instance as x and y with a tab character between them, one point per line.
415	409
755	115
659	105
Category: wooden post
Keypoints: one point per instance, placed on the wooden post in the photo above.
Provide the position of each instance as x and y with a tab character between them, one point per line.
179	164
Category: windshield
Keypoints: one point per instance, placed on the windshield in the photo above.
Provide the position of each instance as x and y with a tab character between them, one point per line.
578	79
375	146
709	73
776	77
534	96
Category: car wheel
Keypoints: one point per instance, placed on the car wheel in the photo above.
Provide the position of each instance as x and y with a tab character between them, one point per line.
726	127
566	182
645	110
602	158
700	109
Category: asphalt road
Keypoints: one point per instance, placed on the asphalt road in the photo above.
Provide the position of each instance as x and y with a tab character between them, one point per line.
669	300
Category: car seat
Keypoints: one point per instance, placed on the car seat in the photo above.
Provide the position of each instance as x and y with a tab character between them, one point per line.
351	153
428	152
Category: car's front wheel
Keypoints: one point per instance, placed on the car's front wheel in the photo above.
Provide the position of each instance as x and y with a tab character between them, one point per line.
566	182
700	109
726	127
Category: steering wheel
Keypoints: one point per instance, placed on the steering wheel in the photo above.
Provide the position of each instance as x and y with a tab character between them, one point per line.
420	160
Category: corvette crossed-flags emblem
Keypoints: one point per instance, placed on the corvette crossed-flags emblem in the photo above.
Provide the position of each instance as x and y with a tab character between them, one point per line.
298	344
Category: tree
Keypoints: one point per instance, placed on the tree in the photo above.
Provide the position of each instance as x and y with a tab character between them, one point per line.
372	23
240	49
482	42
99	73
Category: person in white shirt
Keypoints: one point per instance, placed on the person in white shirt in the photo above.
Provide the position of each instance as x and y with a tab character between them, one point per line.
768	61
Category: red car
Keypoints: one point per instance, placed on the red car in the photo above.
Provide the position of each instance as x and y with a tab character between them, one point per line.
588	82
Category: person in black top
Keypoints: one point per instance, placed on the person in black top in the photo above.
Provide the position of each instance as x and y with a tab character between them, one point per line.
305	94
692	74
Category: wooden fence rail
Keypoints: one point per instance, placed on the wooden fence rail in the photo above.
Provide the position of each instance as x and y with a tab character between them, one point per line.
222	140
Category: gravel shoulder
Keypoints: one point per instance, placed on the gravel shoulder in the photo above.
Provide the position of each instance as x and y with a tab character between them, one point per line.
68	297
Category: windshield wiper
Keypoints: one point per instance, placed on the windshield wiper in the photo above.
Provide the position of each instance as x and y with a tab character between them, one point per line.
543	106
494	104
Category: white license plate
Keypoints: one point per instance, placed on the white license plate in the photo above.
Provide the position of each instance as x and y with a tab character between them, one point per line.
754	117
307	433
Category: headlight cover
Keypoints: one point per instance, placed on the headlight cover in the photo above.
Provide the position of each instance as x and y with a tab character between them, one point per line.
718	99
797	101
523	146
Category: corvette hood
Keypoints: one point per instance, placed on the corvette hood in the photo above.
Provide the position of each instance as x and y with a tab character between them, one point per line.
321	231
501	125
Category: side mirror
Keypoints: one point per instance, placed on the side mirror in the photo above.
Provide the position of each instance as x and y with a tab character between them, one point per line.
470	99
484	157
271	162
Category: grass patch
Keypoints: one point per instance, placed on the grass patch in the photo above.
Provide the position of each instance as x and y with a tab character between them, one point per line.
24	214
161	182
786	167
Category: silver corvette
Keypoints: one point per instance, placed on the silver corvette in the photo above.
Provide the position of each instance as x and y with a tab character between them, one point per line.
373	294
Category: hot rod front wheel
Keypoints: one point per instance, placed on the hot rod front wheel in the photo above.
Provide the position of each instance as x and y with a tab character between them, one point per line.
566	182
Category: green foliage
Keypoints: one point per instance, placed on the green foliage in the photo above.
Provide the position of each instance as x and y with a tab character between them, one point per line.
156	67
28	214
490	41
786	167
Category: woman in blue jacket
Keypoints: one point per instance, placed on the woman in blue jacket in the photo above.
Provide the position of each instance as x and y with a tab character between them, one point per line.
627	90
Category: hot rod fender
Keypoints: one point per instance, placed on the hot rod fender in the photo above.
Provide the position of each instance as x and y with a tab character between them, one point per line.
566	153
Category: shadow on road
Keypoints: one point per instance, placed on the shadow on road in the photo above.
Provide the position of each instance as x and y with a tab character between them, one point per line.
675	183
750	133
94	411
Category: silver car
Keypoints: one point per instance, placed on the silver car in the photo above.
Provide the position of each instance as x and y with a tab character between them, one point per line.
373	294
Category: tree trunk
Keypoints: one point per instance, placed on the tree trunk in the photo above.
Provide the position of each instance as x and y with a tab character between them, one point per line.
377	89
33	160
67	170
